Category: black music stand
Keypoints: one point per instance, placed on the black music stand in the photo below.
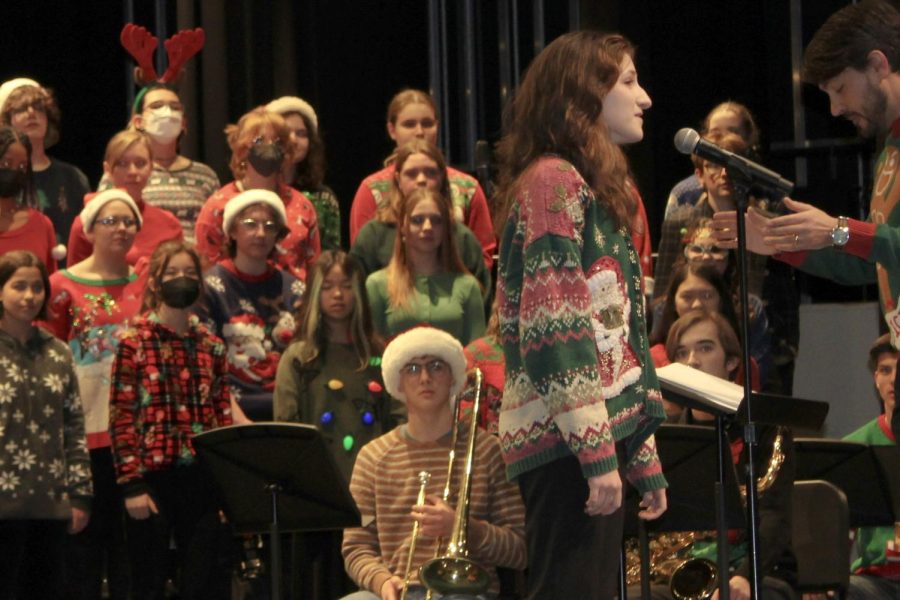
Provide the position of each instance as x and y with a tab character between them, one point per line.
868	475
274	478
690	458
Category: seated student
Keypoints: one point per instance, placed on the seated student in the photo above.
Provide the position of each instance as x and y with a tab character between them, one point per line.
425	368
706	341
872	575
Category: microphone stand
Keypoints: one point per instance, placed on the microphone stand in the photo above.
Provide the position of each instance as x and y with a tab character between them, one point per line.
741	183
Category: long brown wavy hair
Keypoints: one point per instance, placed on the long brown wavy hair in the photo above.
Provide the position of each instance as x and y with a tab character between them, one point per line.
557	110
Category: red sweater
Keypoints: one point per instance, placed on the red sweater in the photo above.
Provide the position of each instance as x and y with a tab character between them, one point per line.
36	235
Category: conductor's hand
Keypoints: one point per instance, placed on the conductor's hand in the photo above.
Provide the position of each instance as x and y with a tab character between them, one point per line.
653	504
435	517
140	507
724	230
605	495
390	589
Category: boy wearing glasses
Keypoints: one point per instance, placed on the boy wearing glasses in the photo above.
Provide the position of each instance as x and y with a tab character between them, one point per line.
425	368
250	300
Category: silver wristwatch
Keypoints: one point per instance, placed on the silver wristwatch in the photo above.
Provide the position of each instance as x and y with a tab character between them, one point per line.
840	235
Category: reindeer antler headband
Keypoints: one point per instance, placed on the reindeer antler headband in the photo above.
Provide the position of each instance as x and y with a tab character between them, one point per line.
141	44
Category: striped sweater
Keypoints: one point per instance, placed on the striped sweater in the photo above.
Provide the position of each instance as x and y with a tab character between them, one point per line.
578	372
385	486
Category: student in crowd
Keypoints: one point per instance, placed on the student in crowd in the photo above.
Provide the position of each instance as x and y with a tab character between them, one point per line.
581	401
91	303
412	114
128	163
250	300
418	164
261	147
45	482
330	377
176	183
60	187
169	384
307	173
425	368
22	226
874	576
425	281
706	341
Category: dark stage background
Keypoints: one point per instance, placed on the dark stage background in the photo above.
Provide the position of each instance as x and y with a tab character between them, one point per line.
348	58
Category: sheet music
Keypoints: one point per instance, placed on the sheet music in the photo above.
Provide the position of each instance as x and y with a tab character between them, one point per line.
702	387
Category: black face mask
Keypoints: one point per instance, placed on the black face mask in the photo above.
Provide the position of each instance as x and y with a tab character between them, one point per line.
180	292
266	158
11	182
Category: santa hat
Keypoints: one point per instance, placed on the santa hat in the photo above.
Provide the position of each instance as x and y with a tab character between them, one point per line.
293	104
12	85
234	206
418	342
93	205
245	325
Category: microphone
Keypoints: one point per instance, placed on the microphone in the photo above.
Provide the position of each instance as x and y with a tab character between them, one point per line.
688	141
483	165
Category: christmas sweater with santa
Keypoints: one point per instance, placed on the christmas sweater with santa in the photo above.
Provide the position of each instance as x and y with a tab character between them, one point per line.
579	377
90	315
254	314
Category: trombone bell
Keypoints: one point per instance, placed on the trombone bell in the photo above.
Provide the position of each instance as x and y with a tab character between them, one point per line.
446	575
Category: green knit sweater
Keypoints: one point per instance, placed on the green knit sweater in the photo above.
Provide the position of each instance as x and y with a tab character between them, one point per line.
578	372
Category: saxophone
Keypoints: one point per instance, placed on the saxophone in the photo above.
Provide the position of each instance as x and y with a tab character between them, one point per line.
670	562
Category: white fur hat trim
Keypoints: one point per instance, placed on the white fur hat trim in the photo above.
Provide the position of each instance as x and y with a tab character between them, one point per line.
417	342
234	206
289	104
92	208
12	85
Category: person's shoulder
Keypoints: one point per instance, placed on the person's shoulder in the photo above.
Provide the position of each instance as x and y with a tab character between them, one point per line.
377	177
378	278
199	169
461	178
68	170
159	216
864	433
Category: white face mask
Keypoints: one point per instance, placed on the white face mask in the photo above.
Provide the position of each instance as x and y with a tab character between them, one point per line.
163	124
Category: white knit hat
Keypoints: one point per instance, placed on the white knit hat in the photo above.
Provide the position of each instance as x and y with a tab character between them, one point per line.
98	201
289	104
258	196
10	86
422	341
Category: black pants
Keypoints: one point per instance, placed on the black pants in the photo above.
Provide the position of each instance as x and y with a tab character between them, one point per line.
188	513
100	547
32	559
570	555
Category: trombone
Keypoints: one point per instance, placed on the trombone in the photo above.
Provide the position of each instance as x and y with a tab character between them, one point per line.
453	572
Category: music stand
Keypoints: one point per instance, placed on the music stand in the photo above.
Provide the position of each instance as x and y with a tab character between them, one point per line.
689	456
866	474
274	478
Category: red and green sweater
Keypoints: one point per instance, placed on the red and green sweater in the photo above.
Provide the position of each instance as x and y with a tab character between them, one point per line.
578	372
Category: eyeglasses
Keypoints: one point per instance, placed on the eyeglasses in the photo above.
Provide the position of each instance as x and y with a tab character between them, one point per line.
714	169
419	220
128	222
8	164
174	106
251	225
695	251
434	367
35	105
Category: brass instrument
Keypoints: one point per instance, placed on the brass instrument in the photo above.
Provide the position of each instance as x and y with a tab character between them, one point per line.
692	578
454	572
424	476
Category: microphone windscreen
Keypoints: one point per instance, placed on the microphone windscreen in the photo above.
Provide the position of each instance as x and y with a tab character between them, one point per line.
686	140
482	153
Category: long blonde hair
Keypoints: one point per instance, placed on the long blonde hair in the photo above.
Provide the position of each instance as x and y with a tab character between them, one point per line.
399	275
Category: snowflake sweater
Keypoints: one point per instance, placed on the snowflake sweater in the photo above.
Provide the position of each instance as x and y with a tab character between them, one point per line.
572	324
44	465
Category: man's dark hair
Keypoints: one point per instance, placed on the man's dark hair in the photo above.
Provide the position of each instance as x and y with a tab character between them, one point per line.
847	38
881	346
